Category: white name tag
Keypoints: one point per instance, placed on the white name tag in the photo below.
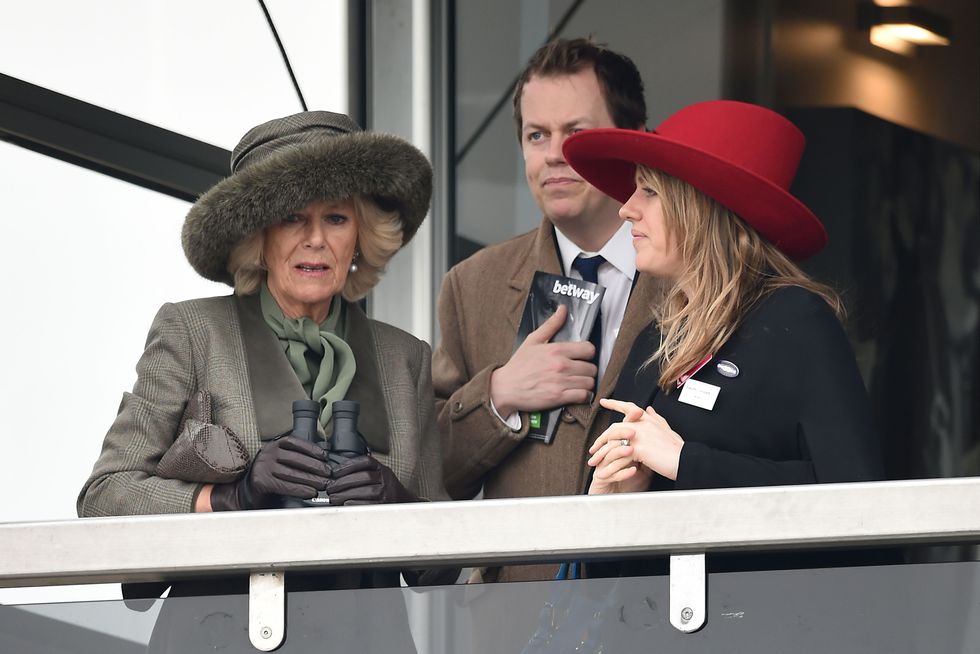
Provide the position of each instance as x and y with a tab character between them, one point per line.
699	394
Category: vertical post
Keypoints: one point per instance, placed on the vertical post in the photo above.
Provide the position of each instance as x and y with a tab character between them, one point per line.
399	102
266	610
688	608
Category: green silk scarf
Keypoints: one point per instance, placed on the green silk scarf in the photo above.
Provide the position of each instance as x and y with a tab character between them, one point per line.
317	353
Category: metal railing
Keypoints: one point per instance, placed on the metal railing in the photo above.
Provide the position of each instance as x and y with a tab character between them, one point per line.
140	548
686	525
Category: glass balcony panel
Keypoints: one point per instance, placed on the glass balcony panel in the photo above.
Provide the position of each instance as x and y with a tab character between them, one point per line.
896	609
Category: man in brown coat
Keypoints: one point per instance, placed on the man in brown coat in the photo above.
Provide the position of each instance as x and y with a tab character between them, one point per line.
484	387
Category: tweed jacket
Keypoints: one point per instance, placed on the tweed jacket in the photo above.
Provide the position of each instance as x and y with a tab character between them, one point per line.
479	310
222	346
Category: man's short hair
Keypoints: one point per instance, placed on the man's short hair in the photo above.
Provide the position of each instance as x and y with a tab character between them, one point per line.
618	77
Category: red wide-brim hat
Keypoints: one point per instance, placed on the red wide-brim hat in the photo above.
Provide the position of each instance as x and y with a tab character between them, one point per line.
742	155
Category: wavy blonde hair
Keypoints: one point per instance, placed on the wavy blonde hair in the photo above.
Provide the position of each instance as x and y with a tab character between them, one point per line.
727	267
379	237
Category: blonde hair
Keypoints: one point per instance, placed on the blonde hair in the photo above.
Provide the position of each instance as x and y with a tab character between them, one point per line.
727	267
379	237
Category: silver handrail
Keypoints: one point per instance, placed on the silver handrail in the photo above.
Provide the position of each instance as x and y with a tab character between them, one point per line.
141	548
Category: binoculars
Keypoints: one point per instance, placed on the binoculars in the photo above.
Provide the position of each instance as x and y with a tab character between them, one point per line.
344	443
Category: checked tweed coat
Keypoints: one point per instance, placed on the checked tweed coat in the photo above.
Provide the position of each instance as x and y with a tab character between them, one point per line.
222	345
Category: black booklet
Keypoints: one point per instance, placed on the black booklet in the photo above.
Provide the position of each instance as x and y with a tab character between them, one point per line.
583	300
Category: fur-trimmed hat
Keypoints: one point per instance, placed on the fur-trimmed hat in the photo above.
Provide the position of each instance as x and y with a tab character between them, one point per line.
281	166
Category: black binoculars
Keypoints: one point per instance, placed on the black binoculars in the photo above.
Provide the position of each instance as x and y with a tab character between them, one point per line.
344	443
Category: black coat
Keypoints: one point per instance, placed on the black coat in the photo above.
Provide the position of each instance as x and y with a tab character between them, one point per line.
797	412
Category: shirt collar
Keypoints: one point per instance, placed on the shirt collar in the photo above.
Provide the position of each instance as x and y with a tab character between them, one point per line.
618	251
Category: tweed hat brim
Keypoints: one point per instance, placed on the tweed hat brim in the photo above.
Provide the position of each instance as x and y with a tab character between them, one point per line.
381	167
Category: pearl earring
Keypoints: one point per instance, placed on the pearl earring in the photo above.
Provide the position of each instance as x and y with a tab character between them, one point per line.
353	263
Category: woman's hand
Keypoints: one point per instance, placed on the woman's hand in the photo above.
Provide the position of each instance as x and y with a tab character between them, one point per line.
365	480
615	469
285	467
627	454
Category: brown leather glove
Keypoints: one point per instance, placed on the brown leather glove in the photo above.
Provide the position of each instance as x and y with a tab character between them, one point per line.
364	480
285	467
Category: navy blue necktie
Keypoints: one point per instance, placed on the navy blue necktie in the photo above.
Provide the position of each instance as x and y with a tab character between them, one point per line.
588	267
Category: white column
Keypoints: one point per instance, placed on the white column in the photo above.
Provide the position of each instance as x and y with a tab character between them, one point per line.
399	102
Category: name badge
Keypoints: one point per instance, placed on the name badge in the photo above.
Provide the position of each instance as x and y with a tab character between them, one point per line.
699	394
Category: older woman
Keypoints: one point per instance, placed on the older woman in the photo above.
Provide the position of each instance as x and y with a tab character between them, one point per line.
745	377
303	228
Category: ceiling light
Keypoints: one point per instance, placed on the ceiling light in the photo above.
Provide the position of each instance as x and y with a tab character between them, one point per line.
901	28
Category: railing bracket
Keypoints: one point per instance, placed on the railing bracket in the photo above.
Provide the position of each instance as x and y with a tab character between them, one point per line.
688	608
266	610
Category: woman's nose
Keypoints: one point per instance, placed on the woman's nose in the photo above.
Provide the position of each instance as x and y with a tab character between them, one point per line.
629	211
314	235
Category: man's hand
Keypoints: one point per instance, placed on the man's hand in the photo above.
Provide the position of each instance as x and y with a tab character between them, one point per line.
542	375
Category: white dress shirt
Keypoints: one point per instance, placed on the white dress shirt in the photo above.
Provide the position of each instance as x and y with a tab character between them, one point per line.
616	274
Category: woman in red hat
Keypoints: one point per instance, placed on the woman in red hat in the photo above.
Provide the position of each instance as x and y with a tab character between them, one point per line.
745	376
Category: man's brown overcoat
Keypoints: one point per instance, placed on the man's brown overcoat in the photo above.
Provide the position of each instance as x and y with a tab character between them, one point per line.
480	308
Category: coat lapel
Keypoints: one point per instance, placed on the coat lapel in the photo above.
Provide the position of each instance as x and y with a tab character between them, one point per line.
274	384
543	256
366	387
639	314
638	382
